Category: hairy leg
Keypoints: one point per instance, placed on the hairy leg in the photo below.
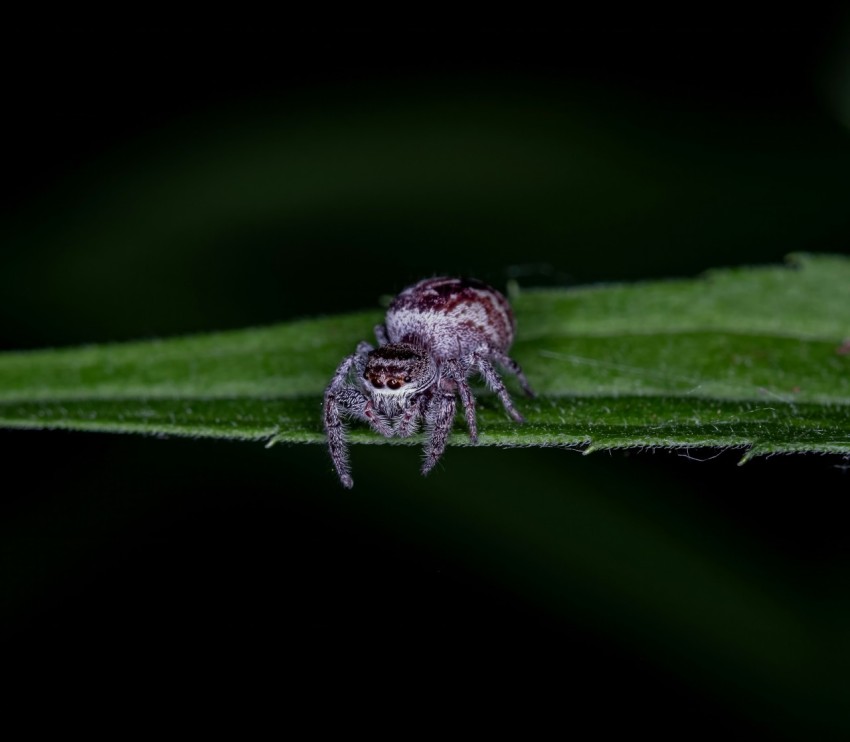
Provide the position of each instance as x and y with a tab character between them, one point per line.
333	423
511	365
363	350
494	381
342	398
381	334
457	373
439	417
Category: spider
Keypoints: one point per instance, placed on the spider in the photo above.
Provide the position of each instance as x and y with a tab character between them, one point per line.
437	333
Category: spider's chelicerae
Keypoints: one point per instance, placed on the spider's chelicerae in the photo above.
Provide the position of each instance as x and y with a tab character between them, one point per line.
436	335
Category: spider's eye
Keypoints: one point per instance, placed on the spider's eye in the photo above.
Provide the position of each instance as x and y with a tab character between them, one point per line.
394	384
377	384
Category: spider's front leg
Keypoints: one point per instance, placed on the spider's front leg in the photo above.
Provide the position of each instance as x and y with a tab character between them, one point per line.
381	334
362	352
342	397
439	416
333	423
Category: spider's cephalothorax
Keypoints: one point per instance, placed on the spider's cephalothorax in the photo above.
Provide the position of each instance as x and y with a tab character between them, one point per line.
395	372
437	334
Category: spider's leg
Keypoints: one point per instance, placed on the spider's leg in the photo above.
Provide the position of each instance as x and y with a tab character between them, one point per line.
343	398
381	334
363	350
458	374
494	381
333	423
504	360
440	415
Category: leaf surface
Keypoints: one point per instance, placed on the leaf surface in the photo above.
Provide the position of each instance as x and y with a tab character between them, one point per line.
756	358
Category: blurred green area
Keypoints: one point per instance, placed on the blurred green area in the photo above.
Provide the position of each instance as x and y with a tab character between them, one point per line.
250	212
274	194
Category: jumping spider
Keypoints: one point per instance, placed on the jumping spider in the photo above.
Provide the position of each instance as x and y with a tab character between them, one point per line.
436	335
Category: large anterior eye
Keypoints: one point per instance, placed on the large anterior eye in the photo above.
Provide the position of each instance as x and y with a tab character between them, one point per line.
394	384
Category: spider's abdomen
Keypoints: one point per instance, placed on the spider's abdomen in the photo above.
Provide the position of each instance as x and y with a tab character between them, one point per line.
451	316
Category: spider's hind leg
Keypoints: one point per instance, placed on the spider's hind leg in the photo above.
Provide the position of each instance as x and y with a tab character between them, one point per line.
494	381
504	360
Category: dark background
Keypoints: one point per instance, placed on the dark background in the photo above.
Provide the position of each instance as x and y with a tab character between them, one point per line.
165	182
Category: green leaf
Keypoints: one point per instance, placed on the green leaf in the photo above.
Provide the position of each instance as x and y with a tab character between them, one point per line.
756	358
